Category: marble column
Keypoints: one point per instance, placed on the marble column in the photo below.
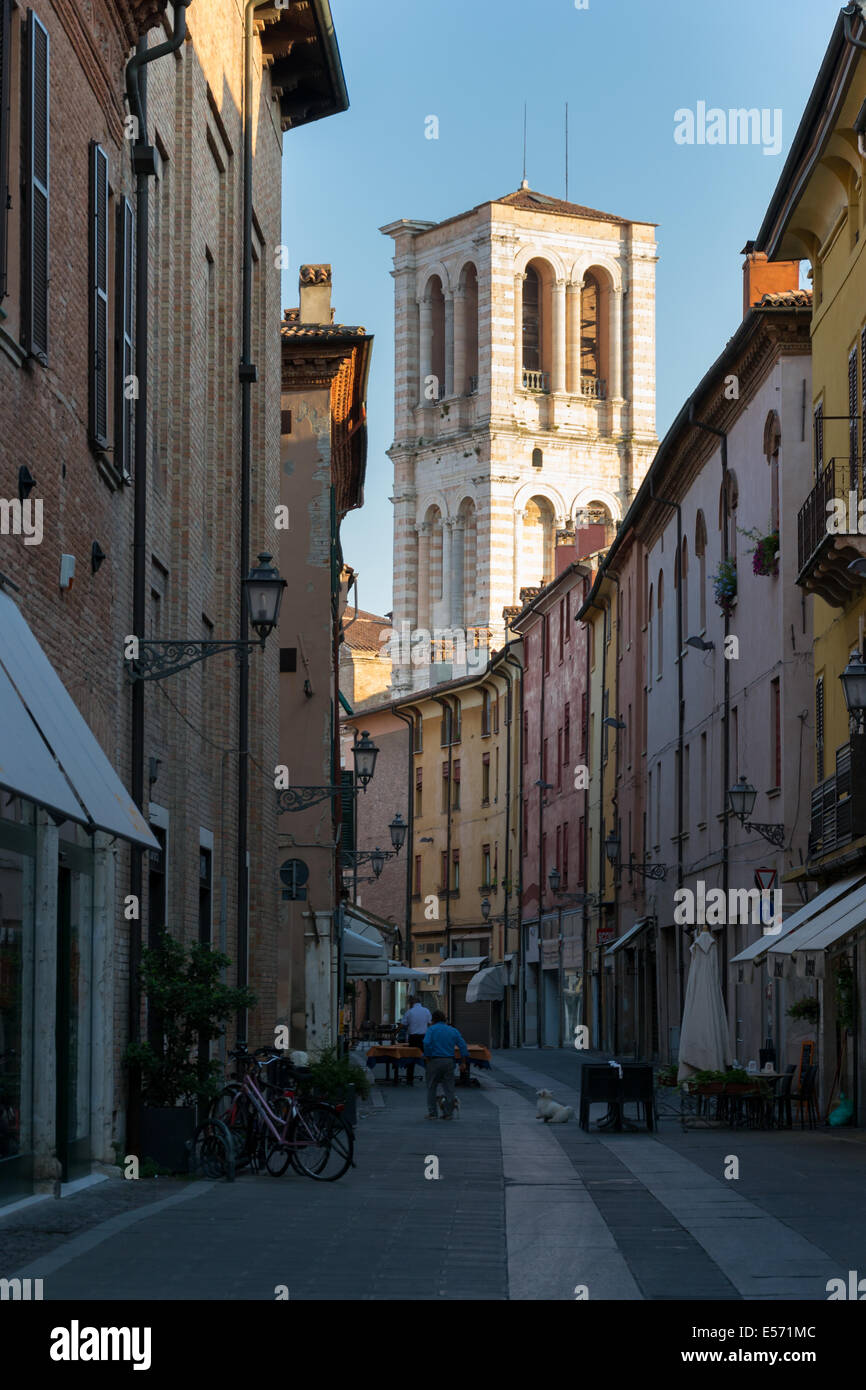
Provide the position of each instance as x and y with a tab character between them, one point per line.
615	349
446	569
518	331
459	383
458	565
557	380
573	336
449	344
425	345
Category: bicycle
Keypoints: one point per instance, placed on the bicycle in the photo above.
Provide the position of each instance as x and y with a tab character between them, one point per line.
310	1134
212	1150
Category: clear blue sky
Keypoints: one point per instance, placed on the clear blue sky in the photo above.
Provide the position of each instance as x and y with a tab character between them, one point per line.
624	67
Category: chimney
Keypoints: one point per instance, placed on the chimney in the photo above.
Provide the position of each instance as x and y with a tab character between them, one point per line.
315	291
761	276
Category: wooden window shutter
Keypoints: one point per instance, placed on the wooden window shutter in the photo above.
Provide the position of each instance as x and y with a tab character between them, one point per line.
853	432
819	729
98	374
124	300
5	43
36	185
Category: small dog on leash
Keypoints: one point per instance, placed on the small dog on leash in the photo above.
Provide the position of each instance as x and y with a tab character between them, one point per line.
440	1101
550	1112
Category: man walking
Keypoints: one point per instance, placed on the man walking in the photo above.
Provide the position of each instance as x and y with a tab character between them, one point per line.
416	1020
440	1041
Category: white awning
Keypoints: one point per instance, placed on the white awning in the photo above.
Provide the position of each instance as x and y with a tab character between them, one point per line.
629	938
356	945
404	972
470	963
768	941
801	952
487	984
47	743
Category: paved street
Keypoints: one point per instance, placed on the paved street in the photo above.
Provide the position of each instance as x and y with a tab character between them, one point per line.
520	1210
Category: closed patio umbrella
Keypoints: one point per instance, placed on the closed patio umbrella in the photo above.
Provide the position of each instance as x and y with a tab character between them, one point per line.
704	1031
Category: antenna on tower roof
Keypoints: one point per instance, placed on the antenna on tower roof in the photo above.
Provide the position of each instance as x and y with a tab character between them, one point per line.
523	183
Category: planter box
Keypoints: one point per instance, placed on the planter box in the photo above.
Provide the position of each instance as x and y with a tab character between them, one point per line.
164	1133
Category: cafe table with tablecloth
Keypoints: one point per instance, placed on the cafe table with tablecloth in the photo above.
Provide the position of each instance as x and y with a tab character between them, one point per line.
400	1055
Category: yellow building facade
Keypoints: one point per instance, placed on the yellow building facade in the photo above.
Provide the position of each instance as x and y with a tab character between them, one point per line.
465	843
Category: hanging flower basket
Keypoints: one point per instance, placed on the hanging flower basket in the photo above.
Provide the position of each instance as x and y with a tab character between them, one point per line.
725	586
765	556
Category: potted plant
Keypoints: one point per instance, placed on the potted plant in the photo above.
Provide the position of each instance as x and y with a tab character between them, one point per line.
667	1075
804	1010
190	1004
338	1080
725	586
765	556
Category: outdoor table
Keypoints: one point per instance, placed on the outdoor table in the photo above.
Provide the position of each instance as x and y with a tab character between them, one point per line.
634	1087
400	1055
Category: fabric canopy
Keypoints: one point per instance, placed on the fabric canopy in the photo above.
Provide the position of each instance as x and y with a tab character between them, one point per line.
629	938
801	952
487	984
769	941
363	957
47	742
404	972
704	1030
472	963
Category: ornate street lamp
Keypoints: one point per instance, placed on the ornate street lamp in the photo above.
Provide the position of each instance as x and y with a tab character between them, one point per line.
485	908
398	828
365	754
377	860
611	848
554	878
742	798
263	593
263	590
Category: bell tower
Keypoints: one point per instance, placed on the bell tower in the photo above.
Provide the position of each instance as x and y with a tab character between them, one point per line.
524	410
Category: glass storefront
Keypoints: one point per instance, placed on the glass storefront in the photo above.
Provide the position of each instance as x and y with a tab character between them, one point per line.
17	938
74	1002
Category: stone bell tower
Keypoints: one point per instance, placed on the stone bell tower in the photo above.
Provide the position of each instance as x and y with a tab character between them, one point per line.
524	409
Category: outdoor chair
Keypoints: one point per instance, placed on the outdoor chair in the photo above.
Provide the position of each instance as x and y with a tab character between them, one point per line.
807	1097
597	1084
782	1099
637	1088
765	1055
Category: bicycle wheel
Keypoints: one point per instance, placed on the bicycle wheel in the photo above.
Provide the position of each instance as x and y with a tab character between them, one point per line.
233	1108
278	1155
322	1142
212	1151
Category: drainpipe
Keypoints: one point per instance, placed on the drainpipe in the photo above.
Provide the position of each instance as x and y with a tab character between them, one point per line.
585	846
615	800
601	856
668	502
144	166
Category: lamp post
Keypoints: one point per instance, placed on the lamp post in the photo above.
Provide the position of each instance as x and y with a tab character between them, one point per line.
741	797
263	595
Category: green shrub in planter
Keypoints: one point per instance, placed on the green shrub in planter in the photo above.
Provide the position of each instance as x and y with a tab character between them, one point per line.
804	1010
331	1075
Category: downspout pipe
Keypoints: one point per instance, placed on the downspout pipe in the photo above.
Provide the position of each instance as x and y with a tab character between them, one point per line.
144	166
545	619
509	858
681	719
721	435
601	853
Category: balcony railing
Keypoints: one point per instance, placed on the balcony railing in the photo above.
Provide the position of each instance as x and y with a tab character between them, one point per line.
838	478
536	381
838	811
593	386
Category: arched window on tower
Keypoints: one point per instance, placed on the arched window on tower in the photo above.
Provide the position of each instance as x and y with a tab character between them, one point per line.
537	326
532	321
590	355
537	458
467	371
539	541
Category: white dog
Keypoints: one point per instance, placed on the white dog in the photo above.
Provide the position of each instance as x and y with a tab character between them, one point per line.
550	1112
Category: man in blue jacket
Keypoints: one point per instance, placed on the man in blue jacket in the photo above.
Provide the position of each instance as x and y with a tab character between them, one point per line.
440	1041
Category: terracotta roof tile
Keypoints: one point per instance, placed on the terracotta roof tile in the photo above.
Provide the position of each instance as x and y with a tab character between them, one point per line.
531	201
365	633
786	299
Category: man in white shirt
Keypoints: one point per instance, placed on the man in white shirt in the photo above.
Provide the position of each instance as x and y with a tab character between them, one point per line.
417	1020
